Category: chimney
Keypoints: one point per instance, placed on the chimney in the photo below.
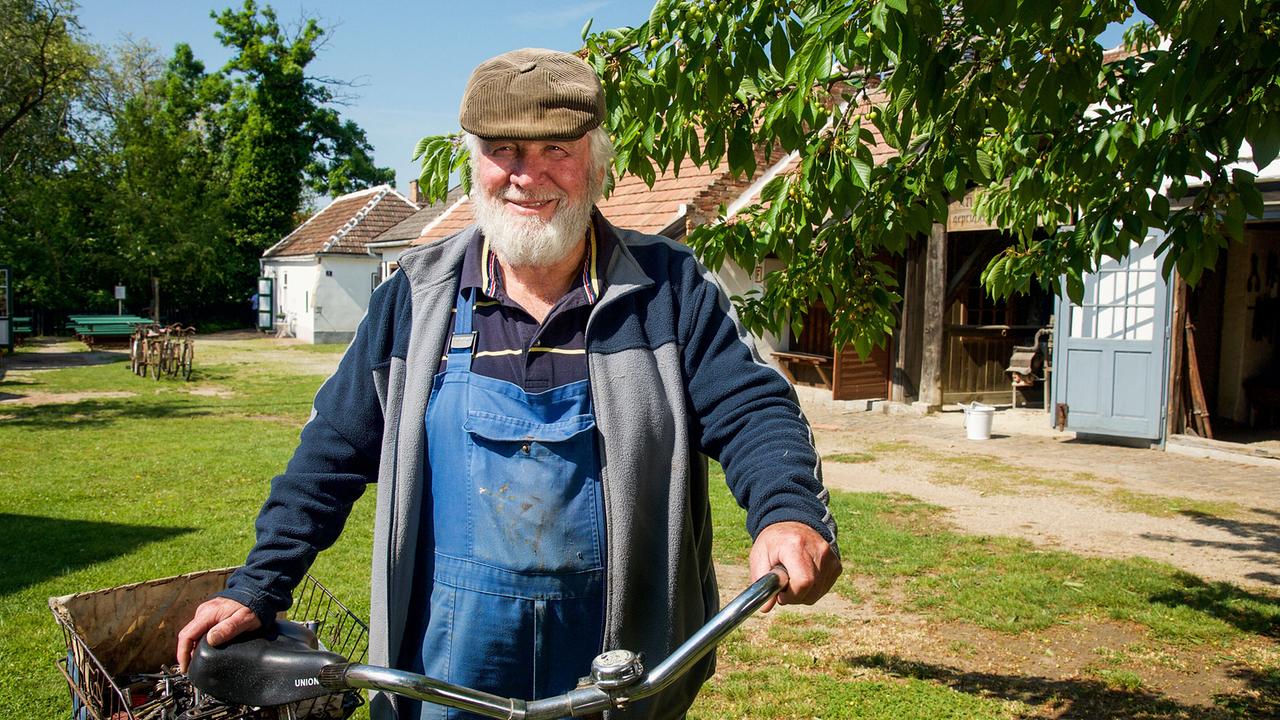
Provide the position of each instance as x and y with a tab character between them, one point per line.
414	197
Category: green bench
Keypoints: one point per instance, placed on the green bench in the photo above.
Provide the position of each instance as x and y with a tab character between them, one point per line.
94	329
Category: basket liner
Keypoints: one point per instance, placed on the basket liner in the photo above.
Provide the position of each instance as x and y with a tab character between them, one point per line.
134	628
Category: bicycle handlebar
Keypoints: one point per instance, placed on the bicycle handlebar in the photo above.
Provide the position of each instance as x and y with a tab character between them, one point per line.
617	676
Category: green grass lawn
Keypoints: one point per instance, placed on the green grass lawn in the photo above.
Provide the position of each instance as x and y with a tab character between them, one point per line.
162	478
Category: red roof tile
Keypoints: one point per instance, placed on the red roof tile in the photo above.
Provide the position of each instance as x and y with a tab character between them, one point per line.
632	204
347	224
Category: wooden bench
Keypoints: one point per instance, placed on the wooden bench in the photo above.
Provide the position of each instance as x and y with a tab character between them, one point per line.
92	329
821	363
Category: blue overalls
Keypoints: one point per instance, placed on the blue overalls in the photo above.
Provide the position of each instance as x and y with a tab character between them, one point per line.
517	602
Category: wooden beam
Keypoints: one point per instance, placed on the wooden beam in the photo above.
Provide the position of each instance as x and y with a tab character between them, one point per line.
935	286
1175	423
1199	408
904	381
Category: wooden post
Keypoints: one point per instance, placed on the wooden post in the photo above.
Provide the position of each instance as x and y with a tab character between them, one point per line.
1174	423
935	287
905	381
1199	408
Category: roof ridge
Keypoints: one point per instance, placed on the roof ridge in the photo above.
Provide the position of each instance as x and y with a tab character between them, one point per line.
355	220
362	191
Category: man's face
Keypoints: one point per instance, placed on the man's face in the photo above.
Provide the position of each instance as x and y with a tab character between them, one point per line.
534	178
533	197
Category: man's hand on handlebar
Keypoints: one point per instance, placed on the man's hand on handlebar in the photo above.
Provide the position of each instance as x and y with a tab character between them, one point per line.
222	619
810	562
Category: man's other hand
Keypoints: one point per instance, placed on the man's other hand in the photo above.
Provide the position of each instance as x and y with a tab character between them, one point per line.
222	619
810	562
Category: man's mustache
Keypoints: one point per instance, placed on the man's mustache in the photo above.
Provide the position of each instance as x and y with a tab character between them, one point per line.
512	194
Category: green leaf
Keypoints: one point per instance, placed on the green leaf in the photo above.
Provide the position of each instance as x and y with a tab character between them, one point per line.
1075	288
984	164
899	5
1266	140
657	15
1154	9
586	28
779	49
1233	218
741	155
863	170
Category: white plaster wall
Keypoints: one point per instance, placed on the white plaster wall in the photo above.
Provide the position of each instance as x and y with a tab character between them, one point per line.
294	278
343	284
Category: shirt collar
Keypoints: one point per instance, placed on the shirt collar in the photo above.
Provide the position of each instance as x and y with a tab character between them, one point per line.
480	269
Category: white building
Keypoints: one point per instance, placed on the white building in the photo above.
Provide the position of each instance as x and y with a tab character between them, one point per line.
322	274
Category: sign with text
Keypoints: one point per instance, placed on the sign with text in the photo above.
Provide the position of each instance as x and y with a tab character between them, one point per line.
960	217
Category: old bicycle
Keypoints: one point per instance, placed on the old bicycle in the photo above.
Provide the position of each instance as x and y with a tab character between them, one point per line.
277	668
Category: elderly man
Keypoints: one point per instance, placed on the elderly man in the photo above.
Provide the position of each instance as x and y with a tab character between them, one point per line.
535	398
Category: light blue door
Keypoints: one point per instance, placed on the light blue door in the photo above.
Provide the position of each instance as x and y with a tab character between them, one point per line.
1110	352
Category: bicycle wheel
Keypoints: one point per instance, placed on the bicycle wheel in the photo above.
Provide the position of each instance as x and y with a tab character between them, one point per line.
188	357
171	358
135	356
155	351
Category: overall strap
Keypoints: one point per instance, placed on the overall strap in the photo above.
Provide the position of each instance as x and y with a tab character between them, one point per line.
463	344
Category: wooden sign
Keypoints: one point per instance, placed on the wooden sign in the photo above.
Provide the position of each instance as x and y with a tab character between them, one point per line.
960	217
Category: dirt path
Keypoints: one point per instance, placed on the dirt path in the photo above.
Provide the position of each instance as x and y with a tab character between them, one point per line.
1217	519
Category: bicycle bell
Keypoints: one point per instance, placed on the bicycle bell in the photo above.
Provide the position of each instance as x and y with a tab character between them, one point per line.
616	669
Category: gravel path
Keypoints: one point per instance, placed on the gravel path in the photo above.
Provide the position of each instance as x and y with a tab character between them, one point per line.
1217	519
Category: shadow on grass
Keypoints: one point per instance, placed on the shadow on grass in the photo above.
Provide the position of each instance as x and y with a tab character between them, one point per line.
1261	698
1250	612
103	412
56	360
1070	698
40	548
56	416
1257	540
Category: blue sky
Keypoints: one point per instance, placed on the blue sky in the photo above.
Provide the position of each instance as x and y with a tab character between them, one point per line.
411	60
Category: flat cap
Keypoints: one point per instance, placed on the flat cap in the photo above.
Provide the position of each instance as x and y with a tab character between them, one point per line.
532	94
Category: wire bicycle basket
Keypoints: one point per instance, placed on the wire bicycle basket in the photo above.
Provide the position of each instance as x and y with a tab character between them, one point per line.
119	662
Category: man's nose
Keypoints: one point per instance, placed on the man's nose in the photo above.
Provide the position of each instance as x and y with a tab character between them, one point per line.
525	172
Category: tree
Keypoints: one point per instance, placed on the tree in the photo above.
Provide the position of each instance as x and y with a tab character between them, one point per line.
283	135
42	62
1009	97
167	205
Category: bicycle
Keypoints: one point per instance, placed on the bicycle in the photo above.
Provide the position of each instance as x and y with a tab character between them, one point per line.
277	668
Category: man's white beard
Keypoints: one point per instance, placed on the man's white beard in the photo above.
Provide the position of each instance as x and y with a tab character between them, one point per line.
529	241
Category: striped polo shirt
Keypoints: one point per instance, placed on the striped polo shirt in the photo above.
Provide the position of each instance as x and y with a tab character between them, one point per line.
510	344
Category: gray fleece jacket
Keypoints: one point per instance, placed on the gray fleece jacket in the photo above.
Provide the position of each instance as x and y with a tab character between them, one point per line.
674	380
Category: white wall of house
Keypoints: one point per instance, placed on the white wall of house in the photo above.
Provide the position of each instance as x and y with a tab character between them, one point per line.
389	256
321	299
293	278
340	298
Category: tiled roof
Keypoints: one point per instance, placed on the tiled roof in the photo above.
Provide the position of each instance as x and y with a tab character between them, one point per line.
632	204
636	206
409	229
453	219
347	224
